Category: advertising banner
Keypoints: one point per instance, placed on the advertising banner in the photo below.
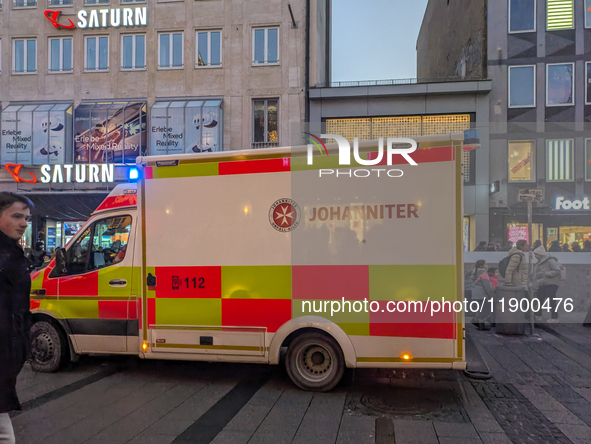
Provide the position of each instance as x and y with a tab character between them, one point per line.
111	132
185	127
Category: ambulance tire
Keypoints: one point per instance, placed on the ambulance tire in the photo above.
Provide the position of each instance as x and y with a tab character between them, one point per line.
49	347
315	362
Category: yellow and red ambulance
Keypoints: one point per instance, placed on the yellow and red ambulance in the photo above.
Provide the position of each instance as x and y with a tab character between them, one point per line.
232	256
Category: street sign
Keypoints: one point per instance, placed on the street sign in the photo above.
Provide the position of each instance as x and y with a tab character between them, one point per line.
531	195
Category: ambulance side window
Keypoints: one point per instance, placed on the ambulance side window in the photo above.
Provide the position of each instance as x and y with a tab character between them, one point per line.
109	242
77	255
102	244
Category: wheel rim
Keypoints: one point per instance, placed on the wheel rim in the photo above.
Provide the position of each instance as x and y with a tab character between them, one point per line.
43	348
315	363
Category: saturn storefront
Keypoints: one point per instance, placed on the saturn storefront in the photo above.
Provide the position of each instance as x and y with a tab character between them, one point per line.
66	160
84	90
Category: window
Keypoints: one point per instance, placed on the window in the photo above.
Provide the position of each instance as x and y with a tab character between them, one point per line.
560	84
60	54
133	54
522	86
559	160
170	50
102	244
265	46
265	128
587	83
522	15
97	54
560	14
96	2
588	159
522	161
209	48
133	1
24	3
24	56
61	2
587	13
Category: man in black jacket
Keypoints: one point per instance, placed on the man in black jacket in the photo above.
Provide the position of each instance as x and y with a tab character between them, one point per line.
15	317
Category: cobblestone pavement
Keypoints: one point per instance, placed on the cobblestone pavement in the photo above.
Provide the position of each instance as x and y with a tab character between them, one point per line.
540	393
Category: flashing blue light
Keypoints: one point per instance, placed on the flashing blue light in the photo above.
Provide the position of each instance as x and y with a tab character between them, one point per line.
134	174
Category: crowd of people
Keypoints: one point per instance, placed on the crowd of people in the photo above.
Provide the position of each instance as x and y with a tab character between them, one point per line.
483	280
554	246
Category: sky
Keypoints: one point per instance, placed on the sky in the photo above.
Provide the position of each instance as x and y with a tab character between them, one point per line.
375	39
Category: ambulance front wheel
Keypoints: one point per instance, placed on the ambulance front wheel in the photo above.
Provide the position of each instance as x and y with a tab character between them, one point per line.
49	347
315	362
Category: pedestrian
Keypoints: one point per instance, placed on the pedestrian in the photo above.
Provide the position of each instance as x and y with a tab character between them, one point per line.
546	279
555	247
587	246
493	275
508	246
565	248
482	292
516	272
536	244
481	246
15	317
576	247
36	256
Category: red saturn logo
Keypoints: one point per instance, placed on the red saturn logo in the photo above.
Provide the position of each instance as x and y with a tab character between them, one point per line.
14	170
53	16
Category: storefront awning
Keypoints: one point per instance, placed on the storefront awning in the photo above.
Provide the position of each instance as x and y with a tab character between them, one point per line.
66	206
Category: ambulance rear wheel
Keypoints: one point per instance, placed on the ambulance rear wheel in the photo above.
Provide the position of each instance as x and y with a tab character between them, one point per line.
49	347
315	362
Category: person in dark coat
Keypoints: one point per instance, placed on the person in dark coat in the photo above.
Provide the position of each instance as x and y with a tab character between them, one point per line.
15	317
555	247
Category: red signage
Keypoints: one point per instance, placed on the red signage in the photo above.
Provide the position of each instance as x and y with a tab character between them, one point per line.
14	170
53	17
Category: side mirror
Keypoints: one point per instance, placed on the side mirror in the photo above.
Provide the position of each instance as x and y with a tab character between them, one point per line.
61	266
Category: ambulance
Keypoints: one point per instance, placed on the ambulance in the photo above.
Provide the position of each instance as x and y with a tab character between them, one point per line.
237	256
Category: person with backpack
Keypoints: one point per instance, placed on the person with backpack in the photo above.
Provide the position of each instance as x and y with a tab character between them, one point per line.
483	293
547	277
514	267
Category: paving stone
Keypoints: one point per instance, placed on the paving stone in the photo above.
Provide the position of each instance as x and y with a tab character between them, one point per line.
541	399
284	419
229	437
455	430
444	440
584	392
200	402
356	430
494	438
149	438
576	433
414	432
565	417
322	419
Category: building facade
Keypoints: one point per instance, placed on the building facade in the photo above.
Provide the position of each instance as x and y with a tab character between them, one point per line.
370	112
538	55
92	84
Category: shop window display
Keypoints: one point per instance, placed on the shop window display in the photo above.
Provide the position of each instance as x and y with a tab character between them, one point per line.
109	132
43	132
193	126
521	161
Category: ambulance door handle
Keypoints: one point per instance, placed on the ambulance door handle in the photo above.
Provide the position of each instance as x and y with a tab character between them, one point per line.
118	283
38	294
